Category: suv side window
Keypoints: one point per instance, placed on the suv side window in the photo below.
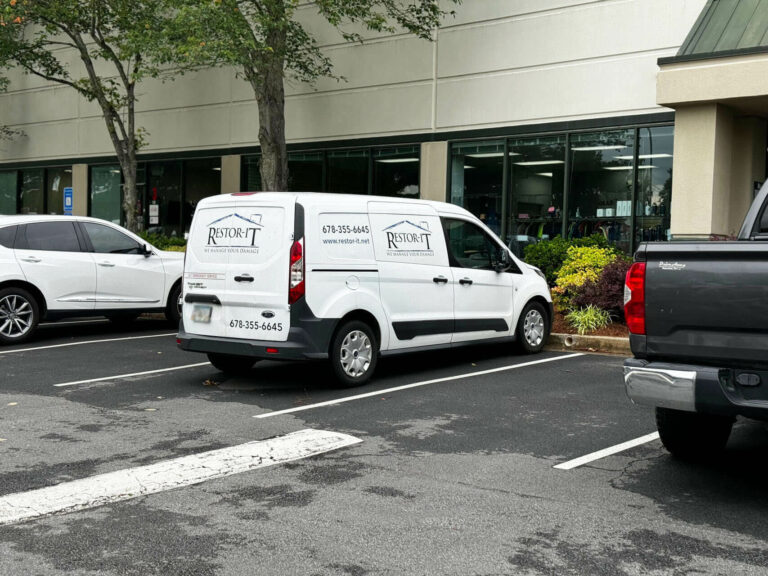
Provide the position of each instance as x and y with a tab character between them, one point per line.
7	236
107	240
469	245
764	221
57	236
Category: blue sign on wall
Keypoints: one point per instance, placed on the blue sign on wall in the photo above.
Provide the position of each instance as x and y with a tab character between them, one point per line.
68	201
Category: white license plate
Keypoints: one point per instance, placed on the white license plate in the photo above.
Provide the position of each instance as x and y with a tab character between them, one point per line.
201	314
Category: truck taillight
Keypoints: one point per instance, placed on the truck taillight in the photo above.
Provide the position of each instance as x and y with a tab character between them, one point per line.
296	273
634	298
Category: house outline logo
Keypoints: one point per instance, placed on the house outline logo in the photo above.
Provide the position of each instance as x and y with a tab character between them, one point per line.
408	237
240	233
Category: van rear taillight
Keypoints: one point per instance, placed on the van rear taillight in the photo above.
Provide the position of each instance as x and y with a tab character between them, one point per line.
296	285
634	298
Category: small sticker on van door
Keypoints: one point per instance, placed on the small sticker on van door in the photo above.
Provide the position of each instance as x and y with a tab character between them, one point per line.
346	236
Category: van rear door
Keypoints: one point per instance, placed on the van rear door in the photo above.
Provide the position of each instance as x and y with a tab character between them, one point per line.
236	271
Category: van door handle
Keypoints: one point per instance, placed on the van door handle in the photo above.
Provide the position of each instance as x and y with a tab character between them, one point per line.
440	280
31	259
244	278
465	281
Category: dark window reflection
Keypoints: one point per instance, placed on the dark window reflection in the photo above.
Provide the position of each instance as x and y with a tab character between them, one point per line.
106	193
165	193
348	171
396	171
477	170
58	179
202	178
32	194
654	183
8	184
305	171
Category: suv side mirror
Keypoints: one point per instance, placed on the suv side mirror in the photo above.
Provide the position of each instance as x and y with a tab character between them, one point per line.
146	251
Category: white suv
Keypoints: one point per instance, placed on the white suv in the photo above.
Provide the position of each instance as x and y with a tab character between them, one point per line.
57	266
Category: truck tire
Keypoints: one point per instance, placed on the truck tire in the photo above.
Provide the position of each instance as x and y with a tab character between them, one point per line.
692	436
230	364
354	352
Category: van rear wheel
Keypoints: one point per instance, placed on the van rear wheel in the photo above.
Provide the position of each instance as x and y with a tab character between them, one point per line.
354	353
230	364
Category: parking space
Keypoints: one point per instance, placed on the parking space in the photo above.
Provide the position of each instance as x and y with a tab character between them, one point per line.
454	468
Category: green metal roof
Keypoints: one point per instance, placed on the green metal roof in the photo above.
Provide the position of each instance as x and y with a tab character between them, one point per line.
725	28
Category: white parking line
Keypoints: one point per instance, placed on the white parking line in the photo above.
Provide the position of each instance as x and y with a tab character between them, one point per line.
118	376
414	385
184	471
86	342
607	452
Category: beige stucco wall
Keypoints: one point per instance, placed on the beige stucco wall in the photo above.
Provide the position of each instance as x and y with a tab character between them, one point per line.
80	189
230	174
433	172
497	63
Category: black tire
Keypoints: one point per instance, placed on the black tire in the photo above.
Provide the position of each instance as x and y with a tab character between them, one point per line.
173	308
354	353
19	315
532	328
693	436
231	364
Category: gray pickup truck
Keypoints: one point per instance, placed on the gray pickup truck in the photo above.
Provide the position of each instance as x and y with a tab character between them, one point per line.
698	319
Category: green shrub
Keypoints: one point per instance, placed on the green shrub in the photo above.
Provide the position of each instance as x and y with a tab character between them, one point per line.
549	255
164	242
589	319
582	264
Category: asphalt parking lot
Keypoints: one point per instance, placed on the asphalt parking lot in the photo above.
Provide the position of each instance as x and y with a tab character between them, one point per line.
462	462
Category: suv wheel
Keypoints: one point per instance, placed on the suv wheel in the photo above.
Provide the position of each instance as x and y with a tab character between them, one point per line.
691	435
532	330
230	364
19	315
354	352
173	308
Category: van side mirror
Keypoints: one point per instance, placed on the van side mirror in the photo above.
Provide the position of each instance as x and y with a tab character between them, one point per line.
503	261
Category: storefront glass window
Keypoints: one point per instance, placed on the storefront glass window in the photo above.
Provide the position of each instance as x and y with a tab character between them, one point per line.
251	177
305	171
58	179
396	172
32	192
537	171
165	192
600	192
8	183
202	178
477	173
106	193
348	171
654	184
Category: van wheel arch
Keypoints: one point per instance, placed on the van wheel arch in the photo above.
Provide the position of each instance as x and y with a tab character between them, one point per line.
32	289
362	316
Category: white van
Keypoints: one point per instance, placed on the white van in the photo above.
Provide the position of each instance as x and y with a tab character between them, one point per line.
350	278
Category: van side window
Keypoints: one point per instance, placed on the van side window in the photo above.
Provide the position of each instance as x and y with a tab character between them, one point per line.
469	245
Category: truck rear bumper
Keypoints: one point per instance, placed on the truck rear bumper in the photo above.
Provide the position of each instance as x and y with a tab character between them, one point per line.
665	385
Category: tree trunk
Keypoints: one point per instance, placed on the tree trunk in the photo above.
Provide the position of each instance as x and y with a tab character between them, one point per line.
270	96
130	199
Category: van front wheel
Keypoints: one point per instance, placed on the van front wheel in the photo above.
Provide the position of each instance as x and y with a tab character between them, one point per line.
230	364
354	352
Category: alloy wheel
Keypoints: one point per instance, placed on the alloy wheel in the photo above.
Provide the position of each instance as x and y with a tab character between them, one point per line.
16	315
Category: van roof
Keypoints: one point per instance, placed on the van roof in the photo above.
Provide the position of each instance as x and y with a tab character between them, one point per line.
315	198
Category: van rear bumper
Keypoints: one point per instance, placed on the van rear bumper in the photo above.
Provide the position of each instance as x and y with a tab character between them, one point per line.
299	346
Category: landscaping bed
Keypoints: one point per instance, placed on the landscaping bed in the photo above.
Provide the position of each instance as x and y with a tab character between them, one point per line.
561	326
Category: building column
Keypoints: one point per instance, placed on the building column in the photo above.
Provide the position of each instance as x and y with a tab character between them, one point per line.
230	174
433	175
80	189
748	157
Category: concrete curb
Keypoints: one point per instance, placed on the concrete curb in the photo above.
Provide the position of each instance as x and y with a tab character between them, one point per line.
601	344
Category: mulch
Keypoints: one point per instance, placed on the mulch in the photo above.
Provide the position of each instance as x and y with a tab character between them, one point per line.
616	329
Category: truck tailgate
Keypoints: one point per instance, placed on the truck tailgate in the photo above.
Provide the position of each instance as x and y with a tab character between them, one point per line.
707	302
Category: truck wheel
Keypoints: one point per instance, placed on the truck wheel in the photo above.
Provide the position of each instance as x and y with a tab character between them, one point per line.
19	315
230	364
354	352
690	435
532	328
